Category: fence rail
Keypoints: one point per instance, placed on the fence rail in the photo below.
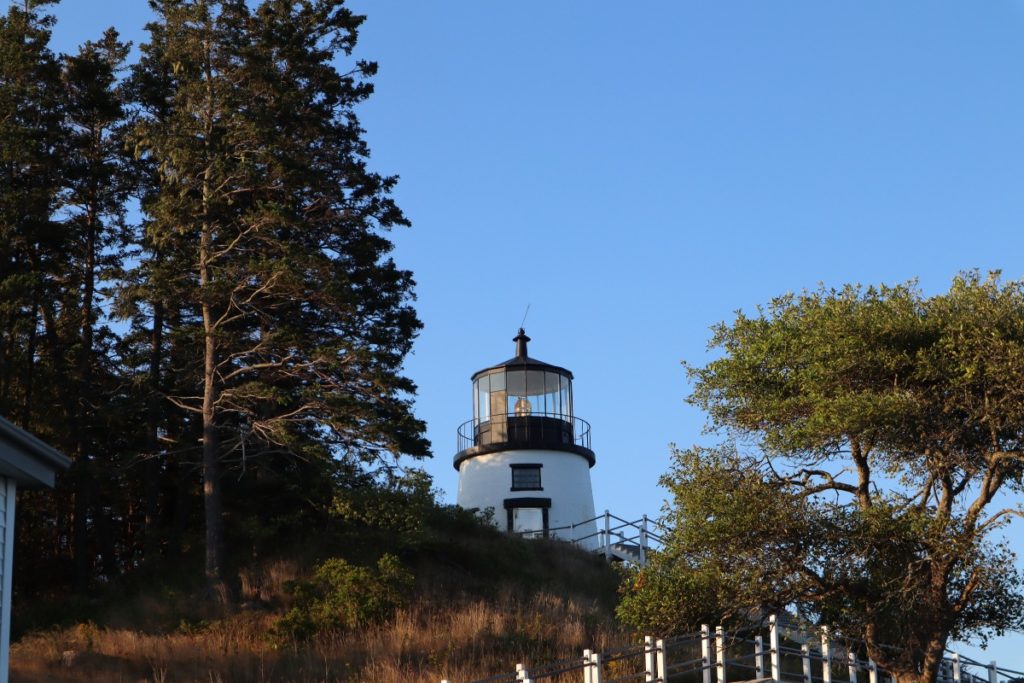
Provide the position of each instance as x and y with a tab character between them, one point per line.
716	656
615	537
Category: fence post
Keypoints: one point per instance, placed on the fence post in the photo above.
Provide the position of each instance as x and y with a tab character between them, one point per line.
522	674
587	678
851	659
758	656
662	662
705	652
649	666
956	667
872	671
597	675
776	653
720	653
643	542
993	673
826	656
805	659
607	536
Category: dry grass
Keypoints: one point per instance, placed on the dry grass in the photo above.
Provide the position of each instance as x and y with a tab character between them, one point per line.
266	582
483	602
467	639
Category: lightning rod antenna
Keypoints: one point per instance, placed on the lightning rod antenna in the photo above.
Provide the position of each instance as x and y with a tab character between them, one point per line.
523	324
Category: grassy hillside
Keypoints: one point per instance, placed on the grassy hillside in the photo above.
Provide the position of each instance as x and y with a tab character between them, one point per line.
467	602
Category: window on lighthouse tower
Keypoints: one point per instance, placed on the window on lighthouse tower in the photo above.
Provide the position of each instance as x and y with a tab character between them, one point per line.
526	478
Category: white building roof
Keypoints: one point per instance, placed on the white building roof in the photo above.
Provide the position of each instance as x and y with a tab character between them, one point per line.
26	459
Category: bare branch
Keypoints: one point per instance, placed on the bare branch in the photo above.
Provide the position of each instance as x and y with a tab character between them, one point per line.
999	517
805	479
185	406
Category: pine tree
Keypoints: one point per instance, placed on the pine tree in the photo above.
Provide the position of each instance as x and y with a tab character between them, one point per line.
96	182
31	243
275	228
62	200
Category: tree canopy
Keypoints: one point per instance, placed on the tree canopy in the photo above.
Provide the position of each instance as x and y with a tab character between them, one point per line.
262	200
196	280
874	444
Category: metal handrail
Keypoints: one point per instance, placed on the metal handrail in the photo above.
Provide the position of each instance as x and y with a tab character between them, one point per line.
611	539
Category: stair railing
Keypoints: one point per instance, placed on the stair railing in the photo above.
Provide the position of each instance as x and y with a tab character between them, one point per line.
794	655
616	537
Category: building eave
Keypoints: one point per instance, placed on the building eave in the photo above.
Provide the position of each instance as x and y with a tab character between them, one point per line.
27	459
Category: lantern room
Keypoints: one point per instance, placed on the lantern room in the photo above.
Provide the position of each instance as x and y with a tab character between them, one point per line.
523	402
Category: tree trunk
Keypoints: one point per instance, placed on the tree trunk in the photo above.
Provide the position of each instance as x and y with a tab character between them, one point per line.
30	365
151	486
213	500
914	663
80	544
213	504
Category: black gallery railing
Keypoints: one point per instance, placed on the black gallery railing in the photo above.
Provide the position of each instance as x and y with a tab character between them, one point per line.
525	430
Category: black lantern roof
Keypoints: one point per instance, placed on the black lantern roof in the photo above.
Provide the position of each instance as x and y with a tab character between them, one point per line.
522	361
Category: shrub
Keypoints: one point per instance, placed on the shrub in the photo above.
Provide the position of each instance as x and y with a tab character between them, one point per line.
345	597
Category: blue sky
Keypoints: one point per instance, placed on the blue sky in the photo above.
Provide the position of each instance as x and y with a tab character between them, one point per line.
636	172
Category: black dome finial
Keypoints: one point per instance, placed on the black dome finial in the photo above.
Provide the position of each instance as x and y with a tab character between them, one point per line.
520	341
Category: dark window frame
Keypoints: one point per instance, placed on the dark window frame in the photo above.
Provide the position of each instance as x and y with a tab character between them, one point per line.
520	470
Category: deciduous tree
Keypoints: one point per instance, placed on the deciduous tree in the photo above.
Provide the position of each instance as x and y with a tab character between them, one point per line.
875	451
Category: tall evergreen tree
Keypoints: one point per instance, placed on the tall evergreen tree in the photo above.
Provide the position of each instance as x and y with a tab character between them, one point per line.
95	184
62	200
33	257
31	254
275	228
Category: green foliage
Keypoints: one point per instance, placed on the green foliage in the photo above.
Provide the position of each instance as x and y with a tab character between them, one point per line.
296	318
399	509
869	430
246	316
342	596
719	502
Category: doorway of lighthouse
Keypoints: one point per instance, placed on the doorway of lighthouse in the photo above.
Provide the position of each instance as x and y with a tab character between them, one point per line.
528	517
528	522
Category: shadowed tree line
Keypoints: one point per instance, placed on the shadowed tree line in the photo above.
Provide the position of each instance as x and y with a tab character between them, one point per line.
197	302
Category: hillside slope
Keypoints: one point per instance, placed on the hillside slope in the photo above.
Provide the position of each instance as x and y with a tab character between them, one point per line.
476	602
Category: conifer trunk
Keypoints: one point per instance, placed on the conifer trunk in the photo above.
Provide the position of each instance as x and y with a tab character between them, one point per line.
151	505
213	503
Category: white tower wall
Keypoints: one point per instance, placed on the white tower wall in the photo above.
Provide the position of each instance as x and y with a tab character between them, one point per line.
485	481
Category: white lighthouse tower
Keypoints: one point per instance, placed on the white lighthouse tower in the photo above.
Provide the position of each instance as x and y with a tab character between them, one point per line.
525	454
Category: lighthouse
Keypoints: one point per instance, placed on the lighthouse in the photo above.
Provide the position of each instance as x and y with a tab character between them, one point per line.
525	455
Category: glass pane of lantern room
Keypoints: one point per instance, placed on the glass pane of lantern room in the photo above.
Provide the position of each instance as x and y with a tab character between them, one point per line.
528	521
515	383
564	397
496	404
497	381
535	388
482	407
551	394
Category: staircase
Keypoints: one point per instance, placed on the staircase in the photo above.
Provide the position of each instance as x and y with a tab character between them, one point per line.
627	552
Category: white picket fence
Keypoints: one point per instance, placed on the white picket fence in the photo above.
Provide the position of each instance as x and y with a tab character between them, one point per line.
791	656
